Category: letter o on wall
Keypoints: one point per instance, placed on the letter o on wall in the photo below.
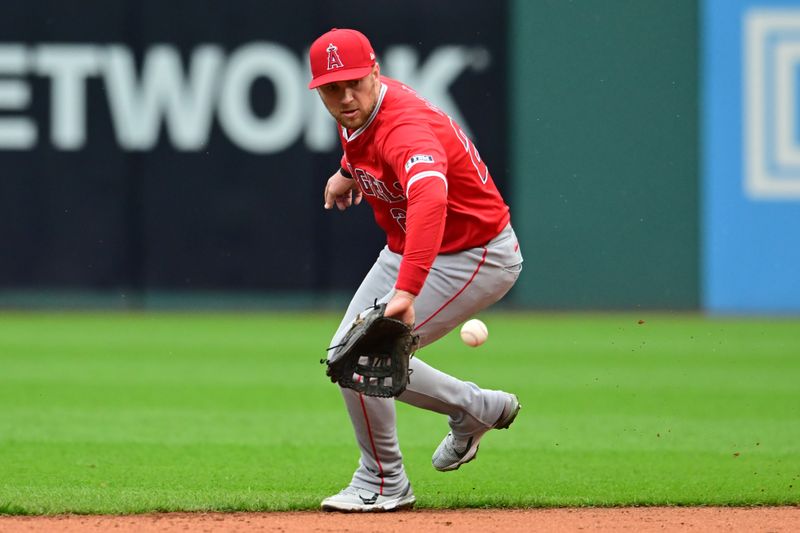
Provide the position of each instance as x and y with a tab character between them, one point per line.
280	129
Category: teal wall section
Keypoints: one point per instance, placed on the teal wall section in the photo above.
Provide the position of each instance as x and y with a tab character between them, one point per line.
604	153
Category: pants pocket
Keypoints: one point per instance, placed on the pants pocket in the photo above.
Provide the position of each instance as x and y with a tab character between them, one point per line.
514	270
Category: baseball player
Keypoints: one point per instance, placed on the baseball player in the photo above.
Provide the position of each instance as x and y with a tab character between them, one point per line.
451	252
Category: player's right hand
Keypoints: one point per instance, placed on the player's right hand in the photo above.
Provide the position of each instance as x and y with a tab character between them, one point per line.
401	307
341	191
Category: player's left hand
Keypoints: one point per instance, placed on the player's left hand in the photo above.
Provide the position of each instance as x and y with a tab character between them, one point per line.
401	307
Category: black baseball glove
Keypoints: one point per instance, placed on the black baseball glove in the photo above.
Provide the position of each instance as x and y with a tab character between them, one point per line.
373	355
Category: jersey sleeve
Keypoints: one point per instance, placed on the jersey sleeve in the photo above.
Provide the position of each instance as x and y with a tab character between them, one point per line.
425	221
414	153
419	161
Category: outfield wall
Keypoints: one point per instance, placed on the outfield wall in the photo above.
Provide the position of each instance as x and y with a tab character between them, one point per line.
751	172
604	137
154	151
154	160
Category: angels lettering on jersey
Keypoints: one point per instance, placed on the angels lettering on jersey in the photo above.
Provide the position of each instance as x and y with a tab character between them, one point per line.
372	186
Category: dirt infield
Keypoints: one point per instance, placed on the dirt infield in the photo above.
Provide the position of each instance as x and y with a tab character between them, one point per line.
662	519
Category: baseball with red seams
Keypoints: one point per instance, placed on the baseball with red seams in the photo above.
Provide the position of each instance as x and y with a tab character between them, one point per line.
474	332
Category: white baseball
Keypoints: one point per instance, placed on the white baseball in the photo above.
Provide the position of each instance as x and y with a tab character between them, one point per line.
474	332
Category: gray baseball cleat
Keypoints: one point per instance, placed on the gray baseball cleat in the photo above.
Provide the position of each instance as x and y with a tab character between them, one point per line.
355	500
455	451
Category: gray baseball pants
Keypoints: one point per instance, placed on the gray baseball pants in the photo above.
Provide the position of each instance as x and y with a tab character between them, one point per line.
458	286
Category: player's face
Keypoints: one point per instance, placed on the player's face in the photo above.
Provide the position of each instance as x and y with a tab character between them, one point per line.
352	102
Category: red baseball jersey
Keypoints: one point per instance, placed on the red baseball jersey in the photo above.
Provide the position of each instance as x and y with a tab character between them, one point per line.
427	185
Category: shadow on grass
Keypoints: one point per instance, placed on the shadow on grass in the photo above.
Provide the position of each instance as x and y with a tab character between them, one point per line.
12	509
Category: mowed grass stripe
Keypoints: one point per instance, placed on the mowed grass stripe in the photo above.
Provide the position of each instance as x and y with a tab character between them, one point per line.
124	413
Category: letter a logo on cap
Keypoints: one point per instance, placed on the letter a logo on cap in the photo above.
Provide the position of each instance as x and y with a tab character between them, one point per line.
333	57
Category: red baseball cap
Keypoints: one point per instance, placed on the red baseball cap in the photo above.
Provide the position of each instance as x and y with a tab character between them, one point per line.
340	55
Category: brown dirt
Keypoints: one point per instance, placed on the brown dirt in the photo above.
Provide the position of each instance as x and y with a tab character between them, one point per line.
639	519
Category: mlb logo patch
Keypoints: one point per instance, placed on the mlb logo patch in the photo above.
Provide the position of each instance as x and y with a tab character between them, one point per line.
414	159
771	84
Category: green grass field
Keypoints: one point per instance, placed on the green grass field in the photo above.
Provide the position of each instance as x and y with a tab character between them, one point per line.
128	413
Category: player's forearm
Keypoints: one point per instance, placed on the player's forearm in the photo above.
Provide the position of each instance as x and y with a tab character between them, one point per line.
425	221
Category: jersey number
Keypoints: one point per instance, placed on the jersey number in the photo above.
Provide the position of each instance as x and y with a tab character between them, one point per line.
472	151
399	215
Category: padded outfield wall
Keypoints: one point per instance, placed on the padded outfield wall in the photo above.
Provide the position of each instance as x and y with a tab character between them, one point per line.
605	153
154	154
751	172
152	159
